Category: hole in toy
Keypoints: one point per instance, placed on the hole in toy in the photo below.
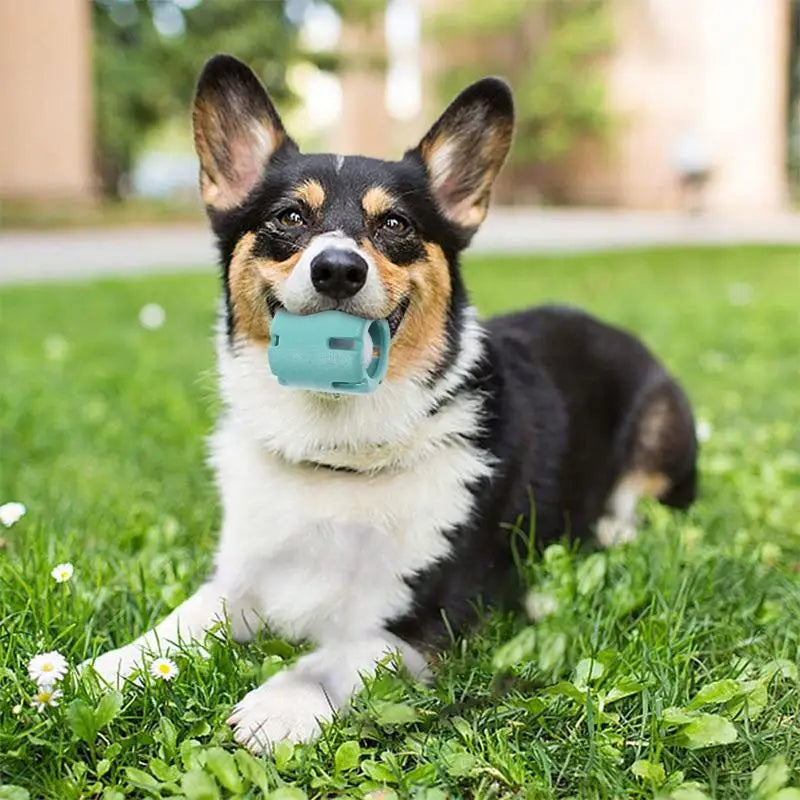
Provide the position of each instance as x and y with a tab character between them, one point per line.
372	369
337	343
344	385
276	340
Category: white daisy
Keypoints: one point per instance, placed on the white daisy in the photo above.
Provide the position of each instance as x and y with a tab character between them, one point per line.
164	669
703	430
46	696
47	668
11	513
152	316
62	572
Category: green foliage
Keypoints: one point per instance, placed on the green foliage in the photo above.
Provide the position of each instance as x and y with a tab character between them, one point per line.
347	756
9	792
514	652
770	779
645	661
550	50
86	720
649	771
143	78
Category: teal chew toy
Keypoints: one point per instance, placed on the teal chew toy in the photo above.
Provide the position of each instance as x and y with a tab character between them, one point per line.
329	351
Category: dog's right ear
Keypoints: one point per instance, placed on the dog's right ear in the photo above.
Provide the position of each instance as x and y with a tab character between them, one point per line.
236	131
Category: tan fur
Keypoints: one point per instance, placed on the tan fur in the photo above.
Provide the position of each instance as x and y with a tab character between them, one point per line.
618	525
653	425
376	201
311	193
232	154
419	343
433	150
646	484
248	276
440	155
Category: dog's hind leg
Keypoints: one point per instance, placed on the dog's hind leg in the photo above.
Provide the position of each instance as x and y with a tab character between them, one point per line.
618	524
657	449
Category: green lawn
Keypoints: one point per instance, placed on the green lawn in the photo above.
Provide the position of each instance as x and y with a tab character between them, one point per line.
689	636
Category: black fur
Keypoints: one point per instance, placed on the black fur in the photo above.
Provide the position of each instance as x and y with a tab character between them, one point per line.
563	395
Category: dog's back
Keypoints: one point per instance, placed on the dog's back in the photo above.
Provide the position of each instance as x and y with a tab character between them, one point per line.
629	426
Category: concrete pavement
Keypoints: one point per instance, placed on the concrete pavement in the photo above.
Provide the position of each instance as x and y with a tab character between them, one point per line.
72	254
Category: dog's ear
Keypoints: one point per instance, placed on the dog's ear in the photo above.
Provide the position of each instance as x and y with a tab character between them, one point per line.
466	147
236	131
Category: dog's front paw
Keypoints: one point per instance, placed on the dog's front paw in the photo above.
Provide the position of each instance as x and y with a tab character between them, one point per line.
285	707
115	665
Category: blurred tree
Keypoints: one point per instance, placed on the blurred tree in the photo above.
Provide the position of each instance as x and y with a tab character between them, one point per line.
148	53
547	49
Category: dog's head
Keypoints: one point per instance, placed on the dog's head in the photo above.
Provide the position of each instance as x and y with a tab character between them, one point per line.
378	239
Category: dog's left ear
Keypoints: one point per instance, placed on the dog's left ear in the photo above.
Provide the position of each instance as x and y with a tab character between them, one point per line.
466	147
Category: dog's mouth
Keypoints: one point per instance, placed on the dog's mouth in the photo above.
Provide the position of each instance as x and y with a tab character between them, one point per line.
273	304
394	319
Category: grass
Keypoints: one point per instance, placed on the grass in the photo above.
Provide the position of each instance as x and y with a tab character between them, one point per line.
668	667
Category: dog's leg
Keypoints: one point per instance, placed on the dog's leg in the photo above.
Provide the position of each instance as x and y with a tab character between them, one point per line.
292	704
187	623
660	452
618	525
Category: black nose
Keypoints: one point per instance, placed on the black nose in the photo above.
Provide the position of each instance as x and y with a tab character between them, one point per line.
338	273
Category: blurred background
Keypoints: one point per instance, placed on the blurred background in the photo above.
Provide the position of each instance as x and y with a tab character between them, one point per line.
662	107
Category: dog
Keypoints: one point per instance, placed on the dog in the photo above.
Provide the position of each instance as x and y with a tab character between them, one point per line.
371	524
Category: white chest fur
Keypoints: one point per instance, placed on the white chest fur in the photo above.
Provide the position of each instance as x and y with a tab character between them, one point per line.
321	554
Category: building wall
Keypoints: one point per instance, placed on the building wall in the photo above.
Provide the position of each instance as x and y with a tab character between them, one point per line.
713	73
364	127
45	99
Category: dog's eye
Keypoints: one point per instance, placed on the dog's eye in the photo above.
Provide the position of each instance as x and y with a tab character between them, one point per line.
291	218
395	223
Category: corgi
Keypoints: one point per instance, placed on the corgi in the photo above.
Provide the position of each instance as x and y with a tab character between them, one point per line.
370	525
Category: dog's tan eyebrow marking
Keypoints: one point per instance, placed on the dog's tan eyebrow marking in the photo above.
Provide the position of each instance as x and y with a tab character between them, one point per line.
376	201
311	193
